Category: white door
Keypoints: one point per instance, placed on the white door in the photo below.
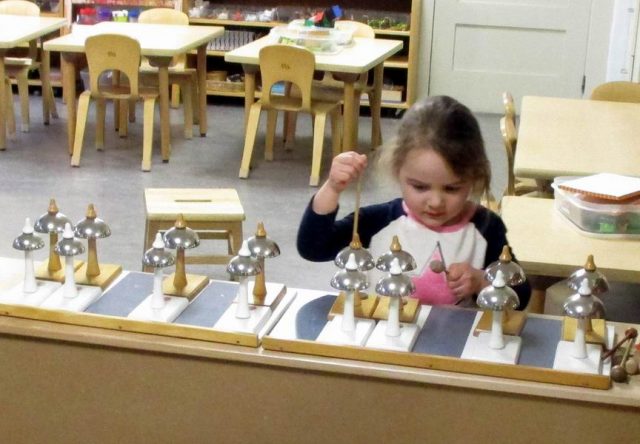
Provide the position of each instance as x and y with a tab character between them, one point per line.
528	47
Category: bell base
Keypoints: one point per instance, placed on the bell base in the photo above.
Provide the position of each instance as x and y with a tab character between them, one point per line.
403	342
512	323
173	306
275	293
595	336
564	360
258	316
363	310
86	296
332	333
16	295
195	284
43	271
477	348
408	310
108	272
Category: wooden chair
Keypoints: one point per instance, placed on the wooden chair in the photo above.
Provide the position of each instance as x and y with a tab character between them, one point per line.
509	107
19	67
330	89
283	63
180	77
120	54
617	92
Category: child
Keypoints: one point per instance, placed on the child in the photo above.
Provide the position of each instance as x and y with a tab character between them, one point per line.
439	161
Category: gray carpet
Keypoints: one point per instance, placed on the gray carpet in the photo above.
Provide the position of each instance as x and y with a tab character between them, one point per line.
35	167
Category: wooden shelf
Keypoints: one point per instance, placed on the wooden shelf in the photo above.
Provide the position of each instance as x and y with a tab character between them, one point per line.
401	70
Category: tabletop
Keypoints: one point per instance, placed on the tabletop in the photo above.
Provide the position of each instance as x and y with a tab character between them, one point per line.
360	57
546	243
155	40
573	137
15	29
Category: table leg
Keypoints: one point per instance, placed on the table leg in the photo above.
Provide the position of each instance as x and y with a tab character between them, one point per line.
349	111
162	63
201	68
249	89
68	63
3	101
376	131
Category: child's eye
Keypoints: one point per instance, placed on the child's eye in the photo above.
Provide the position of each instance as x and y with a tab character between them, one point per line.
420	187
452	189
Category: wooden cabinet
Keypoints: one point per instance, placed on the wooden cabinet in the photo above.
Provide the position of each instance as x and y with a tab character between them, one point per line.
243	20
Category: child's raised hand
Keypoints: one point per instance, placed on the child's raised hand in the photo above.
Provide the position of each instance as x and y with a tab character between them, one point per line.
345	168
464	280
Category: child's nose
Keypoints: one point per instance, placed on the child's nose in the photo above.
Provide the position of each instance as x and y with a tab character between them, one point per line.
435	200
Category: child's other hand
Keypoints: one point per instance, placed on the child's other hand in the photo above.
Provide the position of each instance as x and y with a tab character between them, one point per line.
345	168
464	280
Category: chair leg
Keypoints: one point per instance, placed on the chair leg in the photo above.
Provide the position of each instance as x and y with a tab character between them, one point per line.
175	96
272	120
123	125
100	123
48	100
147	138
376	112
291	119
336	133
11	117
81	122
318	140
250	139
188	110
23	92
132	111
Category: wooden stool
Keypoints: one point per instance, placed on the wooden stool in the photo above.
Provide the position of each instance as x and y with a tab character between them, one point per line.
214	213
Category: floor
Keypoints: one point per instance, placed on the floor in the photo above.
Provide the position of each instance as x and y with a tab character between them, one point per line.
35	167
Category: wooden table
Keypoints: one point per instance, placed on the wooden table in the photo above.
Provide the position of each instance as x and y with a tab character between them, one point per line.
14	30
547	244
159	43
65	383
569	137
347	64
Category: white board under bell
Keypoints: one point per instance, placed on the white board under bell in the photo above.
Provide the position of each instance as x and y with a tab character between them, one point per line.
86	296
564	359
173	306
403	342
332	333
258	316
16	294
477	348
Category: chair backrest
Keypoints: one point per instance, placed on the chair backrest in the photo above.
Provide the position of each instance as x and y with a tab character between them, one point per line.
166	16
509	139
359	29
19	7
116	53
509	107
285	63
617	92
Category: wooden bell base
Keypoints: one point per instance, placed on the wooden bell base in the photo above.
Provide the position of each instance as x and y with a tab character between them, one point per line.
108	272
195	284
408	310
595	336
512	326
363	310
43	271
275	292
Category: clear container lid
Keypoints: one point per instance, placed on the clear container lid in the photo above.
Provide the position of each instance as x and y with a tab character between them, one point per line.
316	39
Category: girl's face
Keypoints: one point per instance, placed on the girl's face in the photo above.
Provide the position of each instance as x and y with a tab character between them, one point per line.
431	190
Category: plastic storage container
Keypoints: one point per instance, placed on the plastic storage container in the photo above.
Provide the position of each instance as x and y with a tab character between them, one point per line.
318	40
599	217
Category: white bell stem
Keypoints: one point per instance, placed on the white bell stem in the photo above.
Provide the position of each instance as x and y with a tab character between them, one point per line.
496	341
579	342
69	290
348	318
393	321
157	298
242	305
30	285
